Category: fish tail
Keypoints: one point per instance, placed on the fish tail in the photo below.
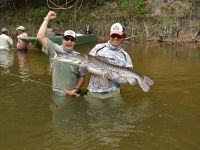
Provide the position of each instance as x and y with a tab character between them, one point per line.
145	83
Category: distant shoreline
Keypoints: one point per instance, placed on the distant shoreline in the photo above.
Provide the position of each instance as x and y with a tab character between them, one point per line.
170	40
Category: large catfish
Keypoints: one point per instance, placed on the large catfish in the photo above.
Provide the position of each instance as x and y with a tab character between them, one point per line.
97	65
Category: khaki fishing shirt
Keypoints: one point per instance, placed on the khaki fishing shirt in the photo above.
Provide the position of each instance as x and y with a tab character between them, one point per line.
64	75
114	56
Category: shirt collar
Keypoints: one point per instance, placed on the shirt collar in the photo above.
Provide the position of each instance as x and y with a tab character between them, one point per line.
112	47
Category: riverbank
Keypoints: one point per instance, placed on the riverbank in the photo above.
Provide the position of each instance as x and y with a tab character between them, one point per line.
152	26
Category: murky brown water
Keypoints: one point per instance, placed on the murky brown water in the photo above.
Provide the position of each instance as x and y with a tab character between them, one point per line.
166	118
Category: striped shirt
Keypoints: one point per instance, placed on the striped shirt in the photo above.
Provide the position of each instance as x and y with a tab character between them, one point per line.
116	57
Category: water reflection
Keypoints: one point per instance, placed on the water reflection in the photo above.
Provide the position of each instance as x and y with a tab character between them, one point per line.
6	58
23	66
164	118
91	123
164	50
68	121
113	120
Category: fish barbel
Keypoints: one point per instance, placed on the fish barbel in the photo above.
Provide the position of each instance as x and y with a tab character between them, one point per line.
97	65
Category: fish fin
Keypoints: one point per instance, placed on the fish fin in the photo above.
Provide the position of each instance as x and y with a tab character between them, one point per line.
149	81
103	81
120	80
114	76
131	81
145	83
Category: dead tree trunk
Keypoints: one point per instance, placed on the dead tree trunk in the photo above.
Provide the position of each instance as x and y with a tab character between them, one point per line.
194	38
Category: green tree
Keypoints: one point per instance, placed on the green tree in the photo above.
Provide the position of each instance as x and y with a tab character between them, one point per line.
137	7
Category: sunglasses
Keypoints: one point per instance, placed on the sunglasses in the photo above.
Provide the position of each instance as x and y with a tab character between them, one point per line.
68	38
116	36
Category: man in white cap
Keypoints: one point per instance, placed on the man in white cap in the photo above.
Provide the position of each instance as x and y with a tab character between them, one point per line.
21	45
114	54
66	79
6	41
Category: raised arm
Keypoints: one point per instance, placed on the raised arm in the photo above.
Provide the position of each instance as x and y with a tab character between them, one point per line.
43	28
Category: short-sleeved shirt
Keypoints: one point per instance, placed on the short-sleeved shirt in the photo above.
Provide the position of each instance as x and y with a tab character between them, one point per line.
114	56
5	42
21	44
64	75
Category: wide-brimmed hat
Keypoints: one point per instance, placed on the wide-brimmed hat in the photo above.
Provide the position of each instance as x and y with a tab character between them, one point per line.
21	28
117	28
4	30
70	33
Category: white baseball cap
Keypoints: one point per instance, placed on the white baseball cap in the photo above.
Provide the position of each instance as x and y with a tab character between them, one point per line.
4	30
117	28
70	33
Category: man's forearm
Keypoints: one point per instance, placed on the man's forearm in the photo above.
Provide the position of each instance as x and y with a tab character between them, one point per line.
80	82
41	33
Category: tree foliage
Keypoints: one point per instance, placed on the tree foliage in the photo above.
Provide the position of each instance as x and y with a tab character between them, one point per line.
135	6
10	5
150	17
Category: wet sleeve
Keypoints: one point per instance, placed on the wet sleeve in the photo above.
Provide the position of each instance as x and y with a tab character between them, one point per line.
50	48
93	51
129	62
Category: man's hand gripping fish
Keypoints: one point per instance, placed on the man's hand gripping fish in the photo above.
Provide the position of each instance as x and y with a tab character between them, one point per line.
100	67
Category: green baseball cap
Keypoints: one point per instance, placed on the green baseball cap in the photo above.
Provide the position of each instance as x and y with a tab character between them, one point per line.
21	28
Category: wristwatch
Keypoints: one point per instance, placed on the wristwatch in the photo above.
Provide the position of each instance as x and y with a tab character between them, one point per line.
46	18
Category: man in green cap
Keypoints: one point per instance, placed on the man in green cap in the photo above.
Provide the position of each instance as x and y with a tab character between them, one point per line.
21	45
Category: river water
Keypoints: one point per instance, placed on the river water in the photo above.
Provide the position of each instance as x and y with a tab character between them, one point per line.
165	118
